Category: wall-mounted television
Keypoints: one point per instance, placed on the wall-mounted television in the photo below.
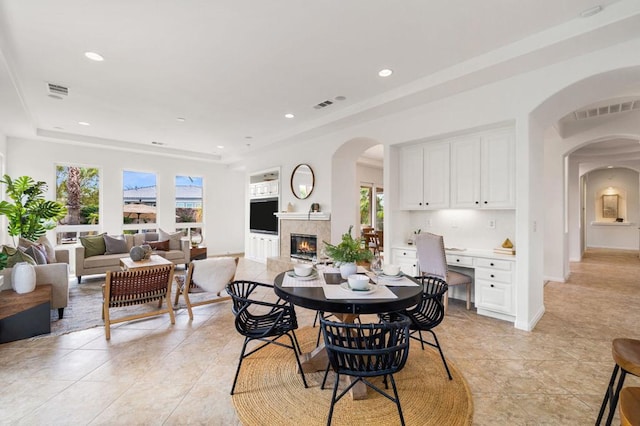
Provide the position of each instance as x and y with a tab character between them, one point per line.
262	219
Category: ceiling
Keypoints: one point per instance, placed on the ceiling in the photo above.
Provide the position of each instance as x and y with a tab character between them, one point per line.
232	69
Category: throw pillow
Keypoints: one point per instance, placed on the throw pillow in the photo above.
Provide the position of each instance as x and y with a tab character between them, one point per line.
14	256
174	239
114	245
159	245
44	241
93	245
37	252
51	251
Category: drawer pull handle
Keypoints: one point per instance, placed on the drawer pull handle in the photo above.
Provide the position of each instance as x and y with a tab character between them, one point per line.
457	260
491	264
493	276
491	285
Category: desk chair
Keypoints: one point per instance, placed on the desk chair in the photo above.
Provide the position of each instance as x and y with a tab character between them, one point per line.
432	262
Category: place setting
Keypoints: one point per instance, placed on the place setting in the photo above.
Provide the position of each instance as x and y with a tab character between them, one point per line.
390	275
303	275
358	286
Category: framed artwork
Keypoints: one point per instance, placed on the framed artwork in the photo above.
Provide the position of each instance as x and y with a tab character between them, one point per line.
610	206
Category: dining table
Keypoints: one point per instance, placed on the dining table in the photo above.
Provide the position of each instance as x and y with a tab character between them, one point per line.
326	291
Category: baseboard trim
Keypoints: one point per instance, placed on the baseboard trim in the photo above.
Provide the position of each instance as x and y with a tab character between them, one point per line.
529	326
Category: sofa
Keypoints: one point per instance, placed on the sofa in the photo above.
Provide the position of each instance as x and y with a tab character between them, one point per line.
56	274
104	263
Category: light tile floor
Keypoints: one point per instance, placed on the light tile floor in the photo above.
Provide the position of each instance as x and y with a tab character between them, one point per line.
154	373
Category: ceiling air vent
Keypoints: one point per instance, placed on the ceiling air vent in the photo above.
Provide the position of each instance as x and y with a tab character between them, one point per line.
607	109
323	104
57	90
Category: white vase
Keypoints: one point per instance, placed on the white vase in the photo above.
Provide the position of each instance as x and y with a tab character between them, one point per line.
23	278
347	269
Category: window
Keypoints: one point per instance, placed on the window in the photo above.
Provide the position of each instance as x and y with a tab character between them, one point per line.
78	188
139	200
371	213
189	207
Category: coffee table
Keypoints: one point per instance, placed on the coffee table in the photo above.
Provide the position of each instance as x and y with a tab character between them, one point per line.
129	264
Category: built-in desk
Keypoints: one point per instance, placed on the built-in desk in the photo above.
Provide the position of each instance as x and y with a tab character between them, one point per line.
494	288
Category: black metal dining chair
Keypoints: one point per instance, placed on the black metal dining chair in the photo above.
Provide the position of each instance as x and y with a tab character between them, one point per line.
263	321
364	351
426	315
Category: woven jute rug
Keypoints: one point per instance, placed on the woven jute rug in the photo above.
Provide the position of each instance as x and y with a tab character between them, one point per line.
270	392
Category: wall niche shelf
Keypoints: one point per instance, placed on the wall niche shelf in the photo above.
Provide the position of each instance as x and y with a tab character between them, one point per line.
612	223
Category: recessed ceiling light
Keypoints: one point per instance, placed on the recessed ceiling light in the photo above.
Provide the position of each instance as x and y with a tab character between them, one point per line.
181	119
94	56
609	167
340	98
591	11
385	72
289	115
248	137
84	123
220	147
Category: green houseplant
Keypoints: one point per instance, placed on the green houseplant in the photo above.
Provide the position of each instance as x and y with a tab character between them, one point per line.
346	253
29	215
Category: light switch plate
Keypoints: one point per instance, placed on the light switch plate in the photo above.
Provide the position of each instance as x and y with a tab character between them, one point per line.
491	224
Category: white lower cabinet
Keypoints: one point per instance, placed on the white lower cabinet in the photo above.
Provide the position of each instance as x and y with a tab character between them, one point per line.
262	246
407	259
493	277
494	286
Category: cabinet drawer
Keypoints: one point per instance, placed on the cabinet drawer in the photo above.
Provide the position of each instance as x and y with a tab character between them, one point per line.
399	254
453	259
494	296
493	263
493	275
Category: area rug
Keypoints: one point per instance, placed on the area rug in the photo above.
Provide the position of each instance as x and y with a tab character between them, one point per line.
85	307
270	391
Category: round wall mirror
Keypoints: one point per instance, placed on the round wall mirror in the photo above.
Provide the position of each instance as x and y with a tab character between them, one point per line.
302	181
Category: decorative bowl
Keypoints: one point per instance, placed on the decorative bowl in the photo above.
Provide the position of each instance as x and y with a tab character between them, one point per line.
358	281
302	269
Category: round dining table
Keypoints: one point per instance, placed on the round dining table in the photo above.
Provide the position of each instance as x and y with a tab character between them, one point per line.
346	310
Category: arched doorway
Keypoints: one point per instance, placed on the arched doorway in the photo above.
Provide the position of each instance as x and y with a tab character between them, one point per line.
345	195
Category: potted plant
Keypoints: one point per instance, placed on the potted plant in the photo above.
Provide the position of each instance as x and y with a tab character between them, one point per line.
30	215
347	253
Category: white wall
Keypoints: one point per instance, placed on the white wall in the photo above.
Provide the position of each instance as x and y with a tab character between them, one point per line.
224	188
625	181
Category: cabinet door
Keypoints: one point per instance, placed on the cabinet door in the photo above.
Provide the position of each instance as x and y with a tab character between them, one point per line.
436	176
494	296
411	164
498	170
465	173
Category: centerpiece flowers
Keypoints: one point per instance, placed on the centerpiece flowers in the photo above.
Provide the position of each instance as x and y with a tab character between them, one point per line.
349	251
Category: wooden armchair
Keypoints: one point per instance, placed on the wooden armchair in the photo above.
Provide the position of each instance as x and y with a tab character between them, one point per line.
207	275
137	287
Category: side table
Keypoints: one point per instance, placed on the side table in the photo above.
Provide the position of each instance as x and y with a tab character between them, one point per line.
25	315
198	253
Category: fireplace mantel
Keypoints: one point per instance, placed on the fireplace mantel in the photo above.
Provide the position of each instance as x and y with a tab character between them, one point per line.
303	215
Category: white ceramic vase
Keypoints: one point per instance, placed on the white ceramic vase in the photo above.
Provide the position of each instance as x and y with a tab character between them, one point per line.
23	278
347	269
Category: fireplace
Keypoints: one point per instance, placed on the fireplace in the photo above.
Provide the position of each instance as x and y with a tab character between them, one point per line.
303	246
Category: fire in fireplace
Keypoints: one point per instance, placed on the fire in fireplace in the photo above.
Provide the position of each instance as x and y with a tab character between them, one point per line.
303	246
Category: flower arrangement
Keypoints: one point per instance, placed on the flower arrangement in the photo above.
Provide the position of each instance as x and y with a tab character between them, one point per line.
349	250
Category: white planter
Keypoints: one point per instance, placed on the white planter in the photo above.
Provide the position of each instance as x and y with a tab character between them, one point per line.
23	278
347	269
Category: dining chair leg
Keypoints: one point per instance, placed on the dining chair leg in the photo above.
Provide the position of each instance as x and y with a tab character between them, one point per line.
421	339
397	399
468	296
235	379
326	374
333	398
444	361
295	340
293	346
608	393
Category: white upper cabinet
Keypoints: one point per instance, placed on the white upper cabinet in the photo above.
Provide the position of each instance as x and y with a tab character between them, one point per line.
482	171
424	176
